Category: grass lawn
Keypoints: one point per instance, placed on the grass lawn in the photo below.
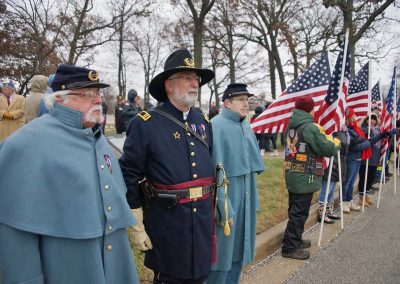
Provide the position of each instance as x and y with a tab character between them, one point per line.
272	199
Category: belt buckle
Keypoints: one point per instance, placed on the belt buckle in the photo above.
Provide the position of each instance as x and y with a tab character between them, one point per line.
195	192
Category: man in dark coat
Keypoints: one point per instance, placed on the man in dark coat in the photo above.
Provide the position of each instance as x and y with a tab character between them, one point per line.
119	115
171	147
132	106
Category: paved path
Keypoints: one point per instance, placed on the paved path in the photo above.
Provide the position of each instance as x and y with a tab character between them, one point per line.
366	251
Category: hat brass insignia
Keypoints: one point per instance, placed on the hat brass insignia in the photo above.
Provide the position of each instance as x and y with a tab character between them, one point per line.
93	76
189	62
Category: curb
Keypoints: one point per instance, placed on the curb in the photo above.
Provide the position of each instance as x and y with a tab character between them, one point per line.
270	241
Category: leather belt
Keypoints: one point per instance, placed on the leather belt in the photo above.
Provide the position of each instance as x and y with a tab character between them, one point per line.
191	192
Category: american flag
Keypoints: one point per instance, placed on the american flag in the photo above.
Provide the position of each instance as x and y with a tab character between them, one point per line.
357	98
314	81
376	96
387	114
331	114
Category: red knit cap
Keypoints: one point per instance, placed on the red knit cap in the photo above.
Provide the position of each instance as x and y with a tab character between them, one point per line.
305	103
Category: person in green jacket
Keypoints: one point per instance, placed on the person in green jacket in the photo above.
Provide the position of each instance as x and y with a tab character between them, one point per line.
306	144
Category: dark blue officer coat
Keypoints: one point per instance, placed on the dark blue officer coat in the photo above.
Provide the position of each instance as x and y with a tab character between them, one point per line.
166	154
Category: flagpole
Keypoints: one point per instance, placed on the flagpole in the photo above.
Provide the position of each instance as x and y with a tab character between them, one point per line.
346	43
369	135
394	126
342	121
380	93
340	190
382	177
328	185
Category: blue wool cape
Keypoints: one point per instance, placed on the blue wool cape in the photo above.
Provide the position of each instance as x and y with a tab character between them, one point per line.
235	146
63	210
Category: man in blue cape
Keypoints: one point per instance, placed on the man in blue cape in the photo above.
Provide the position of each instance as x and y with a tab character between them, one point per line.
235	146
63	211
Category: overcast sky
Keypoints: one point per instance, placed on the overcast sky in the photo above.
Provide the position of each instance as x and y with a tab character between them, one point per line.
106	60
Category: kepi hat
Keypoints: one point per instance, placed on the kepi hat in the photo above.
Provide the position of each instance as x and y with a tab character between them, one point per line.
71	77
234	90
178	61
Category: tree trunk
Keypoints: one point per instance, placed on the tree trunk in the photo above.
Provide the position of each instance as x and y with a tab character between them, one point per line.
121	86
272	75
77	31
232	75
277	62
198	47
348	23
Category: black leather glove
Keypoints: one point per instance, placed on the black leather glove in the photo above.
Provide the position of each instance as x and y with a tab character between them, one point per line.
385	134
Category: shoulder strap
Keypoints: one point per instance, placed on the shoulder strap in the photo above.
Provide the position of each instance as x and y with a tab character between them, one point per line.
185	127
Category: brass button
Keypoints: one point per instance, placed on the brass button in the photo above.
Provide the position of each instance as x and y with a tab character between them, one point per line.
102	167
194	176
109	247
194	210
106	187
192	154
109	208
194	164
110	228
191	143
188	134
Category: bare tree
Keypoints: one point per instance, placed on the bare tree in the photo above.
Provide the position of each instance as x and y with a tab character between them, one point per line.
146	41
85	30
198	11
126	10
220	29
360	17
309	34
35	36
265	18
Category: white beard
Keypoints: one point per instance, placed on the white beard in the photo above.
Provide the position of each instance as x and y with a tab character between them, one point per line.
186	99
90	118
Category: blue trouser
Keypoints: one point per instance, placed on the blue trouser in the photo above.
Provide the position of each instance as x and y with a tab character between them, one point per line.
331	193
353	167
228	277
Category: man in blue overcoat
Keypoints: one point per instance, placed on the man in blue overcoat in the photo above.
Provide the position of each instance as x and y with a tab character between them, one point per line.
171	147
235	146
63	211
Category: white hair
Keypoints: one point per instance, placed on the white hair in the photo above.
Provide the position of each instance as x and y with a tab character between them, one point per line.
50	99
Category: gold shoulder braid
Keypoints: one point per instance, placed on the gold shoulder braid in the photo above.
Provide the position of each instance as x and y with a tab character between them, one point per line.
144	115
206	117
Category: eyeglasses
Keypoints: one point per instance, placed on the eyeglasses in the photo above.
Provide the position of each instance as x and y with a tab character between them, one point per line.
89	94
242	100
187	78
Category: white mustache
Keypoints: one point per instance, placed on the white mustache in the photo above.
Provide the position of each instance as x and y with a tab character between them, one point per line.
96	108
